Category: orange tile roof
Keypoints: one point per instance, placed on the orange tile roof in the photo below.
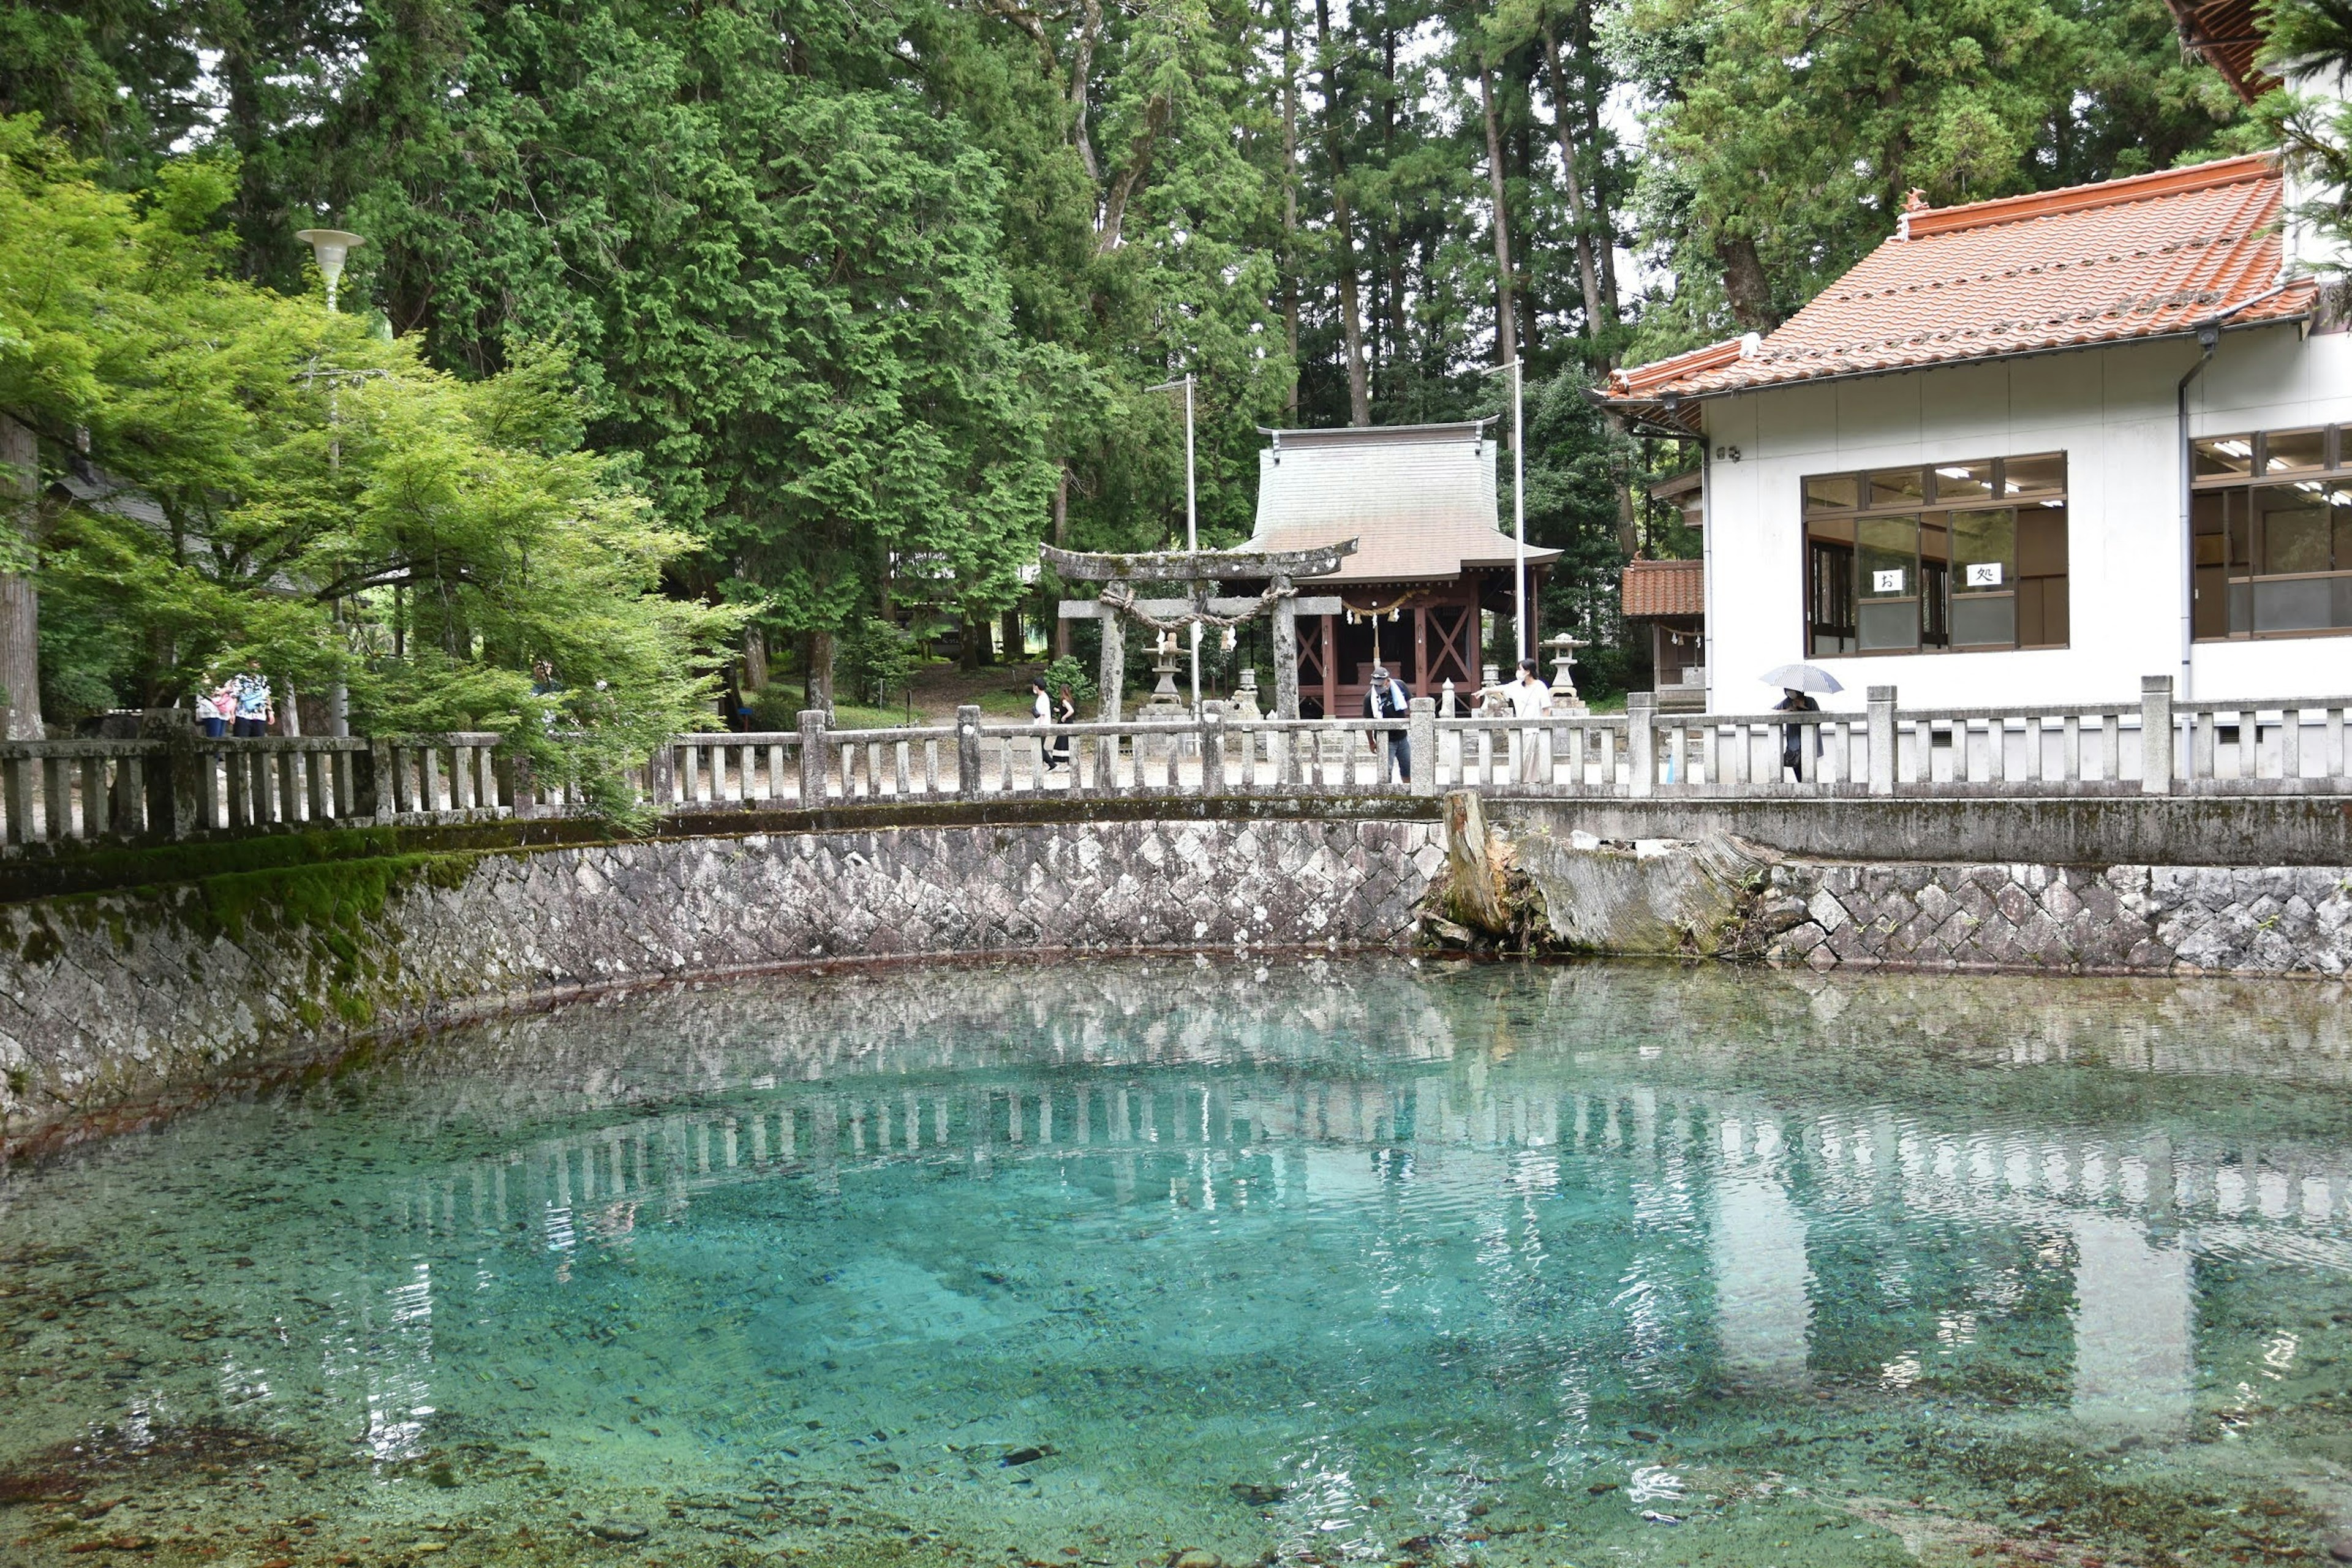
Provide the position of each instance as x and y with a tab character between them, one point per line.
2152	256
1664	588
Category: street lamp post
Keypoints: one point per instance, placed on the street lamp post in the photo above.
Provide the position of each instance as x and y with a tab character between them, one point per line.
1192	516
1518	508
331	247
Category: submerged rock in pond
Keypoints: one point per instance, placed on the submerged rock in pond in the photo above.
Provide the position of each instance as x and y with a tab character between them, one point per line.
619	1529
1257	1495
1026	1455
1196	1558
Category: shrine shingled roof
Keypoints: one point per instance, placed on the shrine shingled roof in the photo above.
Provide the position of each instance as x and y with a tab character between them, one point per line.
1420	500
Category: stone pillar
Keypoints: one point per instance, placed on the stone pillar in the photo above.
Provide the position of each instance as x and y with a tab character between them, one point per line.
968	739
1111	672
1884	744
1641	744
661	777
812	759
2155	734
1285	651
1421	735
1213	748
380	792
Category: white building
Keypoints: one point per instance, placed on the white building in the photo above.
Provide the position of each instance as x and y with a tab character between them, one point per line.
2031	450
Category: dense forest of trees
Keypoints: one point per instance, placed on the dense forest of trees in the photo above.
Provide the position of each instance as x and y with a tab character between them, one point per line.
823	302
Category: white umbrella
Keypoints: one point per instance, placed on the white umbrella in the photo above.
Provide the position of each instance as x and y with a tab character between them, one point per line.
1802	677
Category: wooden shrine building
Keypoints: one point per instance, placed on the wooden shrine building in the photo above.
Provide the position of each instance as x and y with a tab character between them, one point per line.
1420	500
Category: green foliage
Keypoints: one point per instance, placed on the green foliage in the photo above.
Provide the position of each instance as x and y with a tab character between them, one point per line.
1786	138
875	661
283	485
1068	672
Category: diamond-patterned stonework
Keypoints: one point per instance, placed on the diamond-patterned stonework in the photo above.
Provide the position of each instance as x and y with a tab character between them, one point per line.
2143	919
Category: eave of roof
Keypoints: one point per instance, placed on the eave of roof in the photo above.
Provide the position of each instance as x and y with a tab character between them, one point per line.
2152	256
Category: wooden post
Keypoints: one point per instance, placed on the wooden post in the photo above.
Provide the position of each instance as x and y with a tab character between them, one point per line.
1111	673
1285	651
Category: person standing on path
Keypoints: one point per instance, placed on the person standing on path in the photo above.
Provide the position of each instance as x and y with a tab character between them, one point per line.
1531	700
1386	698
254	707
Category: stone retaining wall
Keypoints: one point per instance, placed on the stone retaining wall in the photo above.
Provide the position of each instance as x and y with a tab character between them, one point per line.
2149	920
120	998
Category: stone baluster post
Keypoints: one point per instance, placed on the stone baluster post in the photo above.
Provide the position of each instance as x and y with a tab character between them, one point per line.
1883	741
968	729
812	759
1213	748
1641	744
2155	734
1421	738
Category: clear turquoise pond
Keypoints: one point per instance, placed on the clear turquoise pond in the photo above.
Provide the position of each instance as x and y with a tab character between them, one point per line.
1104	1262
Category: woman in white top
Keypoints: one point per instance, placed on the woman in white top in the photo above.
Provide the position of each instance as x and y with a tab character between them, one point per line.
1530	699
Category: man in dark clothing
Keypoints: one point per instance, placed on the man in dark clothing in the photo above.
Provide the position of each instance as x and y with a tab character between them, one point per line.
1387	699
1793	736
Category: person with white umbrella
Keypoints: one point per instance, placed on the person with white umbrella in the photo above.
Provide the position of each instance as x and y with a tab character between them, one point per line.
1796	683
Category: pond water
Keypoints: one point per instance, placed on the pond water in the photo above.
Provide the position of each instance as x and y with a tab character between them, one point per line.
1111	1262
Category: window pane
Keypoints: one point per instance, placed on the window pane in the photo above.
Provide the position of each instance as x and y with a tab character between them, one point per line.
2294	528
2292	451
2218	457
2296	605
1899	487
2040	540
2339	511
1890	551
1887	549
1829	493
1963	481
1829	593
2041	476
1983	619
2041	606
1984	551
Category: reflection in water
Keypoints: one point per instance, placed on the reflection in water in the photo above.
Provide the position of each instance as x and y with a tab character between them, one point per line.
1341	1258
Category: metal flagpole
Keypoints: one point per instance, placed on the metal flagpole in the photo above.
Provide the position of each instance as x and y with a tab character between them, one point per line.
1518	514
1518	508
1192	517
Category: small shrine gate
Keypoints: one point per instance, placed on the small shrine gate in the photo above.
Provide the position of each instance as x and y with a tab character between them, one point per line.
1279	570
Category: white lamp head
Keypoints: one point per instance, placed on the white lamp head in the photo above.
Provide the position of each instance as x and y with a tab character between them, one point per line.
331	246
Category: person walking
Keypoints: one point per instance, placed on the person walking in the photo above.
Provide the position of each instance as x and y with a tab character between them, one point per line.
255	708
1793	736
1041	714
1531	700
1386	698
1065	711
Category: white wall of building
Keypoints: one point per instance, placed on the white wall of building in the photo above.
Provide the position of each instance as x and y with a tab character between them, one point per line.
2112	411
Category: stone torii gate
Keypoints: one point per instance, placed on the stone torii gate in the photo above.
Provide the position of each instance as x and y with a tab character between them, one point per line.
1120	574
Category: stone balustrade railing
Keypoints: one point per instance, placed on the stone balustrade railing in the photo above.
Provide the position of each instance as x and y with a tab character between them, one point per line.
184	786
